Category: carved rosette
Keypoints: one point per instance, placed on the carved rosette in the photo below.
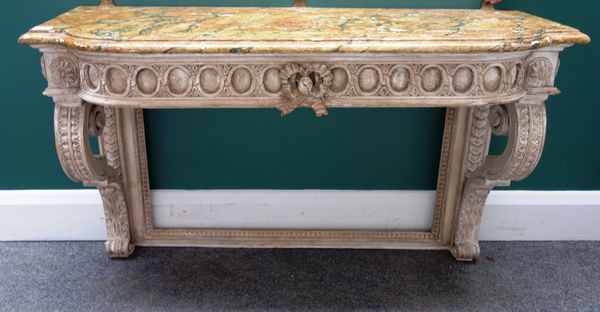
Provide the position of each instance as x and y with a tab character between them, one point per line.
540	72
65	73
305	86
73	127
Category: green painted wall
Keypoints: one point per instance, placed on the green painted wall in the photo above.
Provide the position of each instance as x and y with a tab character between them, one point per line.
349	149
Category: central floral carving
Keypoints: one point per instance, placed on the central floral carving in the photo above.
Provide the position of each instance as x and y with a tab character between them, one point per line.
305	86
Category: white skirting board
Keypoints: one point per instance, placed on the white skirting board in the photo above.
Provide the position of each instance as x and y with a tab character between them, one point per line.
509	215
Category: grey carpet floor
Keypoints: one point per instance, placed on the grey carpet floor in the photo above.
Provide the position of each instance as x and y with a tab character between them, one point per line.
510	276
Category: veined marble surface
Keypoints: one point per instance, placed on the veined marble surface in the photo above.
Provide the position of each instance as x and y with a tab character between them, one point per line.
298	30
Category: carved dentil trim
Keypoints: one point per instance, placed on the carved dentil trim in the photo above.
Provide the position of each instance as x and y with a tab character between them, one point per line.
309	235
441	187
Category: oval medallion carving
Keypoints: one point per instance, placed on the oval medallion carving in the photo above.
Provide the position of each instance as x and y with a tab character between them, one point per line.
340	80
241	80
399	79
117	80
492	78
368	79
211	80
178	81
271	80
147	81
515	72
91	77
463	78
431	79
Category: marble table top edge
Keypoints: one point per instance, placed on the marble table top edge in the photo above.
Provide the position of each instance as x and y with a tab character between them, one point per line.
159	30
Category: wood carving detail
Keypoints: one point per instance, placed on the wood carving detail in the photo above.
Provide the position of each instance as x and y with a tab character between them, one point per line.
64	72
314	84
305	87
540	72
525	124
479	138
118	243
346	79
466	238
73	126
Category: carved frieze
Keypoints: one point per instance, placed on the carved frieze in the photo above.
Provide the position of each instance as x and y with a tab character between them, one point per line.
271	80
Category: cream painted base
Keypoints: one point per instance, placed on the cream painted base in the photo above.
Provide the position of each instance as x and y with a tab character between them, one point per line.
486	94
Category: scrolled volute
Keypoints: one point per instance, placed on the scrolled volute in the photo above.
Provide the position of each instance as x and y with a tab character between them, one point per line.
73	127
526	130
524	122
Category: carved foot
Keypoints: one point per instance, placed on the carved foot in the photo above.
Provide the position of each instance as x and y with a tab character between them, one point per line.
466	244
119	248
466	251
117	221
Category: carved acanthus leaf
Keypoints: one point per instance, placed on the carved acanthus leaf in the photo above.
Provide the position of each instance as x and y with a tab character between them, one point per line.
525	124
118	243
478	138
73	127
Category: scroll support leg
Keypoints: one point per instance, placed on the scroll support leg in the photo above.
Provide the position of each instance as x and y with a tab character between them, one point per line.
73	127
524	123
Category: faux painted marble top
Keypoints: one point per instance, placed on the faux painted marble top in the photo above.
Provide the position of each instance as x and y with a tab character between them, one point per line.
298	30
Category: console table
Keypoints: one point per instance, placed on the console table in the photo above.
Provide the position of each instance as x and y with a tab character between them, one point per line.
492	70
